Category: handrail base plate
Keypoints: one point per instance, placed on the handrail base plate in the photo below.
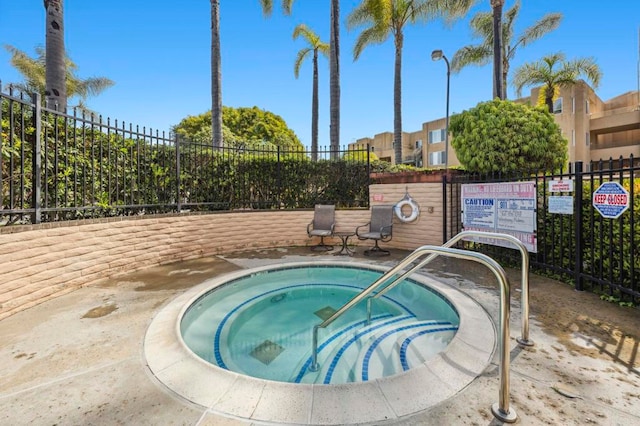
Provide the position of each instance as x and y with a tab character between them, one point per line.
507	417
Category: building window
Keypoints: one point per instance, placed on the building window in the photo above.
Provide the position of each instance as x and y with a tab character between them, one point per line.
373	148
557	106
436	136
436	158
418	144
573	105
586	106
587	138
573	137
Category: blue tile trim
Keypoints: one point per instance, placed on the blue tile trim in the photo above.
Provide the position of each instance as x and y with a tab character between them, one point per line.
307	364
408	340
216	341
336	358
374	345
216	344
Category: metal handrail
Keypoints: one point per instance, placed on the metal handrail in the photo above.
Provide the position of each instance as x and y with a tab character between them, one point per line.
524	284
501	409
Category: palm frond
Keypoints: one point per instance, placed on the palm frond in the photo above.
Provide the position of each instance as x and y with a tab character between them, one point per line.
509	20
370	12
267	7
33	69
482	26
300	57
471	55
543	72
449	10
543	26
286	6
588	68
305	32
324	49
96	85
528	75
371	35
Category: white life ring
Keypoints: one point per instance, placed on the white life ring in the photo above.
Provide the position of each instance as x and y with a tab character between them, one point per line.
415	210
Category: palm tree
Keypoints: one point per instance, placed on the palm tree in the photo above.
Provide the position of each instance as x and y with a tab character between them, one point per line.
334	68
34	72
315	46
385	17
496	6
334	79
55	89
216	77
482	27
543	72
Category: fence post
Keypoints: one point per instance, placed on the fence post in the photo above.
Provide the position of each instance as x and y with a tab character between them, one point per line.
368	161
577	212
445	237
178	201
279	182
36	159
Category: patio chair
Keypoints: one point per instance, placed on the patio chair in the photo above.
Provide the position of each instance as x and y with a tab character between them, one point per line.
323	224
379	228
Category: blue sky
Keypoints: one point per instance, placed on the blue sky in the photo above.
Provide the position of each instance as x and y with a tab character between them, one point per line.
159	57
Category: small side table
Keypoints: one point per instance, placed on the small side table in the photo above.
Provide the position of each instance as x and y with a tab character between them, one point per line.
344	237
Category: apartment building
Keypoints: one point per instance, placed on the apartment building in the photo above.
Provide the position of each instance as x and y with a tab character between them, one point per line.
595	129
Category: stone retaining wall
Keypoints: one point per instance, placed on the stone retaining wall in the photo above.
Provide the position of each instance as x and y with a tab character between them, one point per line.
40	262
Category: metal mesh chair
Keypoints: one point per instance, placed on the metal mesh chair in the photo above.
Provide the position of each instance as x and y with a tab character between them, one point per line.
379	228
323	224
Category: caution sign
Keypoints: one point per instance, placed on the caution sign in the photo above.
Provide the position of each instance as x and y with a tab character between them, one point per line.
611	200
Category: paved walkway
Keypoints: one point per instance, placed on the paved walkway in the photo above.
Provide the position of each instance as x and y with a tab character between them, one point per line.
78	359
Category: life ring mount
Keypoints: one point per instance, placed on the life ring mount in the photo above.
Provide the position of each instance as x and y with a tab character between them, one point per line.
415	210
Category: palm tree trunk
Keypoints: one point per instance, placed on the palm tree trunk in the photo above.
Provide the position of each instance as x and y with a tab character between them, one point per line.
548	97
497	48
505	73
397	101
314	109
55	70
334	79
216	76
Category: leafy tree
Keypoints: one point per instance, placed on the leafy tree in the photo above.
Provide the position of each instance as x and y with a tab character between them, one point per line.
543	73
251	126
315	46
482	27
359	155
334	66
34	69
216	77
56	64
383	18
505	136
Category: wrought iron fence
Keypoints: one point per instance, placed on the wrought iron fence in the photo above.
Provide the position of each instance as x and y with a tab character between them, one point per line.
592	252
57	166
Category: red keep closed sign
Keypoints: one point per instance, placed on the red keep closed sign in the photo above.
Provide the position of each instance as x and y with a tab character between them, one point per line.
611	200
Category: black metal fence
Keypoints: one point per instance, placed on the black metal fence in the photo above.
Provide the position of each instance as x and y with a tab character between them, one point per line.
593	252
56	166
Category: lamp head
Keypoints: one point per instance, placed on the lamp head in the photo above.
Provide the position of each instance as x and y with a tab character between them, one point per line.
436	55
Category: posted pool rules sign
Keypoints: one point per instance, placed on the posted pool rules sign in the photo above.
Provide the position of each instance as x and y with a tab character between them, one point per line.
611	200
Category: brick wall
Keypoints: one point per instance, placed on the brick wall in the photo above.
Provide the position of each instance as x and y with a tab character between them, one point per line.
40	262
427	229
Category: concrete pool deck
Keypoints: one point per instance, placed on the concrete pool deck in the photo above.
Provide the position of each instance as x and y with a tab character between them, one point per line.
79	359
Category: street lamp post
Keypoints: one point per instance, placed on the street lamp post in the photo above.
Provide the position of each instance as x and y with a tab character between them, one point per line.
436	55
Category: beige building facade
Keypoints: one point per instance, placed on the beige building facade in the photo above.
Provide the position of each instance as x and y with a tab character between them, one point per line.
595	130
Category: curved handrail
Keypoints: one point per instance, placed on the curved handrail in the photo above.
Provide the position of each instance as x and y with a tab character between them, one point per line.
524	282
501	409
